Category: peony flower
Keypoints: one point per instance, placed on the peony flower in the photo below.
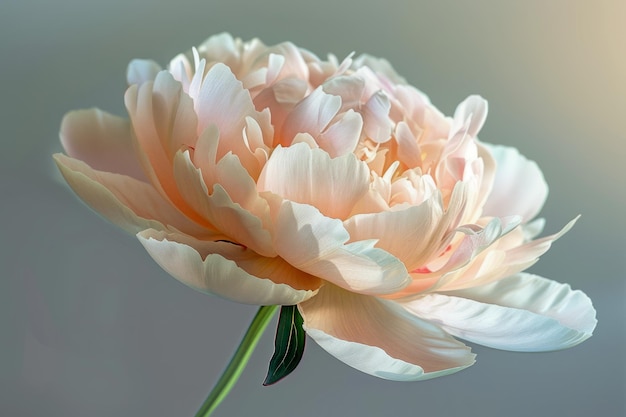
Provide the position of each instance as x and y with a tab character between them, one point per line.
268	176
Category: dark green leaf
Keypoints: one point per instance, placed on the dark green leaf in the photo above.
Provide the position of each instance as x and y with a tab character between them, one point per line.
288	345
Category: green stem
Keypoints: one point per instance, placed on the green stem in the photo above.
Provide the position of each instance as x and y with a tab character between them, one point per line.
239	360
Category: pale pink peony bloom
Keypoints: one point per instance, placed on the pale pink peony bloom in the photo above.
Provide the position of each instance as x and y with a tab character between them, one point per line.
268	176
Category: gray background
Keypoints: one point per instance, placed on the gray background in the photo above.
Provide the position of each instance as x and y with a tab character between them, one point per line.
90	326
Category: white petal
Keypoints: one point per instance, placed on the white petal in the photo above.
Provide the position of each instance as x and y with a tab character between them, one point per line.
519	186
408	150
220	99
472	111
102	140
376	123
380	338
141	70
311	115
522	313
216	274
310	176
342	137
317	244
380	65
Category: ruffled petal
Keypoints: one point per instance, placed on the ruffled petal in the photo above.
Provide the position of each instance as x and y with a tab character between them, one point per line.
521	313
317	245
380	338
101	140
217	206
220	100
508	256
164	122
519	186
218	275
309	176
414	235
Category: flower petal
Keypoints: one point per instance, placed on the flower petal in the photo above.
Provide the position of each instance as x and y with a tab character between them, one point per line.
342	137
317	244
311	115
473	110
376	122
215	274
519	186
163	121
141	70
131	204
102	140
217	206
220	99
413	235
309	176
380	338
522	313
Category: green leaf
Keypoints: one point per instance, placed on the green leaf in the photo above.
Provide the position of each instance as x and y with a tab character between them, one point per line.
288	345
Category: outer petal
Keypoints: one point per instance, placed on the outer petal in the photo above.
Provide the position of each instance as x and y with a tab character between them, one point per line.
131	204
519	186
310	176
380	338
163	121
215	274
521	313
101	140
317	245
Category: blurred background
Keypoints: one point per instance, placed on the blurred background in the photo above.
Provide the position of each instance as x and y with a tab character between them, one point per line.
90	326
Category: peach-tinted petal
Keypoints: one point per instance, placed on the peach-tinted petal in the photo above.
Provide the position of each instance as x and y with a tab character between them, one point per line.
414	235
519	186
380	338
310	176
131	204
216	274
219	209
317	245
522	313
163	121
101	140
273	268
